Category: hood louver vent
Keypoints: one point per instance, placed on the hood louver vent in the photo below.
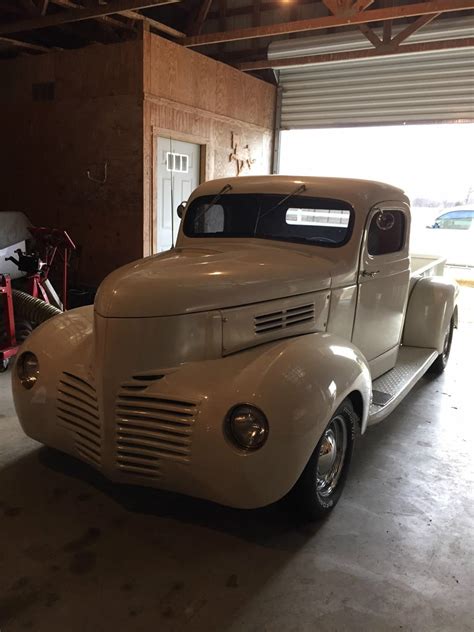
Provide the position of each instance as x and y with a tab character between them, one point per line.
78	412
141	382
284	318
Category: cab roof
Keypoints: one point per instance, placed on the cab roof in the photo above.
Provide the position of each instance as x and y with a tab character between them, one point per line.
361	194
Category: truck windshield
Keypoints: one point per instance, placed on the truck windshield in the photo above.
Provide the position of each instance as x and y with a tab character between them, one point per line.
322	221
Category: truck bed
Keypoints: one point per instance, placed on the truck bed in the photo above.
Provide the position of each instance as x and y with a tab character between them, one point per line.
427	265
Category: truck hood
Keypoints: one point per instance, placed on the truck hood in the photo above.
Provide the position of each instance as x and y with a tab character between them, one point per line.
193	279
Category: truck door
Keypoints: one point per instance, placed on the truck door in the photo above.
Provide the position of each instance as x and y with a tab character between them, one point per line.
384	273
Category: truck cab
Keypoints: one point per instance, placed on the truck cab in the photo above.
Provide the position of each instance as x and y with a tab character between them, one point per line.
241	365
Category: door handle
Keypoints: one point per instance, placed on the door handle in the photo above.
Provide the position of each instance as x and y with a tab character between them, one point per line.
371	275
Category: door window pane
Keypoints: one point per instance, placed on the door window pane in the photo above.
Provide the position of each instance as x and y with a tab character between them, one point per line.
386	232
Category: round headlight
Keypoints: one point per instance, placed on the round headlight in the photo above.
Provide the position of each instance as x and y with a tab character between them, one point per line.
27	368
247	427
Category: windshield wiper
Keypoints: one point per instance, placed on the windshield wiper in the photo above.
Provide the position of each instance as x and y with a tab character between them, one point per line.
216	198
260	215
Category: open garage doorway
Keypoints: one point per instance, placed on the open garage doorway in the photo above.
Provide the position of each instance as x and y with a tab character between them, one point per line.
432	163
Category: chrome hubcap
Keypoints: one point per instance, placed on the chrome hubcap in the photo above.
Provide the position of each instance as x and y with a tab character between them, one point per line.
331	458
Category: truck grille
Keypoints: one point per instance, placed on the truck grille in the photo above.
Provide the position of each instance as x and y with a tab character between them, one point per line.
78	412
152	429
284	318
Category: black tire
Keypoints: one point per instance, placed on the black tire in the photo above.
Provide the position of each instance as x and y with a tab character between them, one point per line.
4	364
441	361
315	495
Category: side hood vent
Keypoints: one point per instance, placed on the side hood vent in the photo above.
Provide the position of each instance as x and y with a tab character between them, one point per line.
284	318
250	325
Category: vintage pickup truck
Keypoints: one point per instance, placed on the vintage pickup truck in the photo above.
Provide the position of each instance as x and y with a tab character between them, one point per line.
241	365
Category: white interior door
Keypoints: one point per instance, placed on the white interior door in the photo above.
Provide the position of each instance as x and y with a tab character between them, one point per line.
177	176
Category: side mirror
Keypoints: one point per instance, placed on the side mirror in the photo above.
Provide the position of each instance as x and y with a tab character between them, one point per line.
180	210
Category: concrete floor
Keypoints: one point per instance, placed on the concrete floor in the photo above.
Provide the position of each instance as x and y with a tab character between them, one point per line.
79	554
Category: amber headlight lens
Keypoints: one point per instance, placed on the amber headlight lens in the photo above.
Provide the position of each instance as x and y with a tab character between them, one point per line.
247	427
27	368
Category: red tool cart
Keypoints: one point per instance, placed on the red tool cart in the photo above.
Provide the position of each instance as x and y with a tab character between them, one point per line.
9	347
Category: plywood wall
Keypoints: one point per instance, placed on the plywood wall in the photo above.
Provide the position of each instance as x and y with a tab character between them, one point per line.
191	97
98	123
48	146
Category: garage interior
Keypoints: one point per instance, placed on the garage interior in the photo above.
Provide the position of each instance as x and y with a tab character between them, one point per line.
96	97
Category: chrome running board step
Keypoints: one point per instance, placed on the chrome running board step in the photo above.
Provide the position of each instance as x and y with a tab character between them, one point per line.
389	389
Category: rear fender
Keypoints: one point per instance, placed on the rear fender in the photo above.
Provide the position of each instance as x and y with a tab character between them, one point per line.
431	306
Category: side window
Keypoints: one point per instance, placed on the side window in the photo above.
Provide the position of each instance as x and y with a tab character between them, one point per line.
386	232
209	219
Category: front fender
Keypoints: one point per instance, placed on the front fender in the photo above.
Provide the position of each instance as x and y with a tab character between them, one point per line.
298	383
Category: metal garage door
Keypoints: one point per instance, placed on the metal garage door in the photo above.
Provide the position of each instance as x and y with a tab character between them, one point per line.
431	86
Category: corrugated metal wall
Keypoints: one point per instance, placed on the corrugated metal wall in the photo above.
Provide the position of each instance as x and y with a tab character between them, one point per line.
419	87
407	88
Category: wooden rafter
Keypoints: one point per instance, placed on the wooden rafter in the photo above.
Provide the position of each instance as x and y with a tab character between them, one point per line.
154	24
26	45
107	19
370	35
412	28
197	21
131	15
345	7
331	21
361	5
77	15
44	6
419	47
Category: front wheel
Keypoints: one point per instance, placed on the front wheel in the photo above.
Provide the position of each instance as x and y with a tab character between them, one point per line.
320	485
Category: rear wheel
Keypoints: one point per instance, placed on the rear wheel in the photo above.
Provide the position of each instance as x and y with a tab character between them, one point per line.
320	485
441	361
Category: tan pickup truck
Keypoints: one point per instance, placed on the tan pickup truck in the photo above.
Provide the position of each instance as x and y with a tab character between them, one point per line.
242	365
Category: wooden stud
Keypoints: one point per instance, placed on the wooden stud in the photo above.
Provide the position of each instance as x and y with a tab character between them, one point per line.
314	24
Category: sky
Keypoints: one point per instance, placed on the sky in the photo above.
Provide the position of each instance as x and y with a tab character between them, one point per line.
429	161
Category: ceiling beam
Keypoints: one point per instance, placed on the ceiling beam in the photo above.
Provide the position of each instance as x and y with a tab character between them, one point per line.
77	15
332	21
381	51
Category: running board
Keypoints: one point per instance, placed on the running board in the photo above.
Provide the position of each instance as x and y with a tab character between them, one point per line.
389	389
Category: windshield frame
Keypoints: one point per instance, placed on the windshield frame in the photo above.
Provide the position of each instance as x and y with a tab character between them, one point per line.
314	202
